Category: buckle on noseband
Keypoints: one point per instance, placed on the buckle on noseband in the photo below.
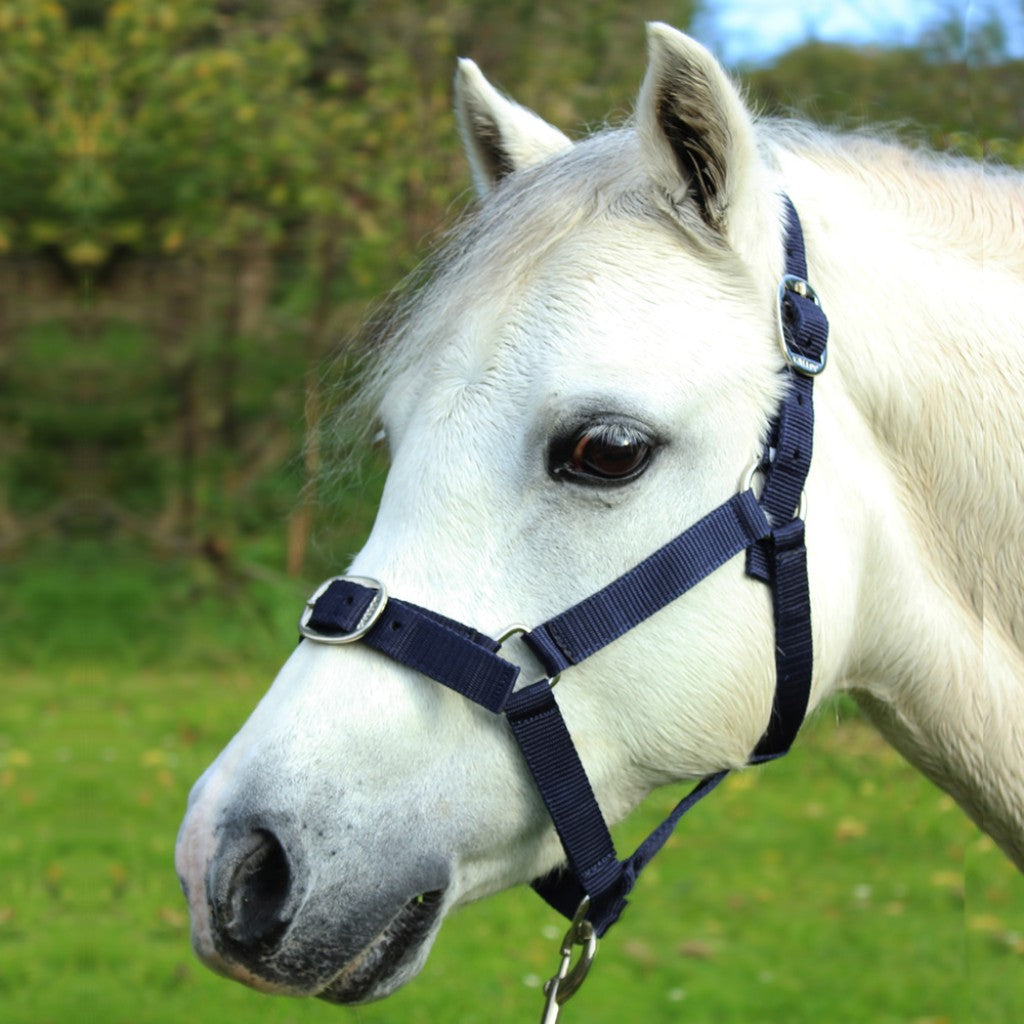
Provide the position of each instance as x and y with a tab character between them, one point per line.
807	365
366	621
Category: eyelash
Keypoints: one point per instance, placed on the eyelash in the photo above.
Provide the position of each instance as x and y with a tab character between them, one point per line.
602	453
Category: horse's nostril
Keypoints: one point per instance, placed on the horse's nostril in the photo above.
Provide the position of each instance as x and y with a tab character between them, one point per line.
254	906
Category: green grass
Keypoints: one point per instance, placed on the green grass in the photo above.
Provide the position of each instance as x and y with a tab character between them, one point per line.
834	886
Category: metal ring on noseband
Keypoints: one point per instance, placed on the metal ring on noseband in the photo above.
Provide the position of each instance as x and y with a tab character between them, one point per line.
518	629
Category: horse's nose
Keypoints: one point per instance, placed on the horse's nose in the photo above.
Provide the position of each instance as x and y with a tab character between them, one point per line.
252	889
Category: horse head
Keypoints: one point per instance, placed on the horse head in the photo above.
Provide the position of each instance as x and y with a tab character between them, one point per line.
591	367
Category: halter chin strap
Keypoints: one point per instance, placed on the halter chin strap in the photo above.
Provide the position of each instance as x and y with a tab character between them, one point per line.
769	529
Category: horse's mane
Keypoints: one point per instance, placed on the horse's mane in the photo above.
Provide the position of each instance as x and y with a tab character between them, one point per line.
964	203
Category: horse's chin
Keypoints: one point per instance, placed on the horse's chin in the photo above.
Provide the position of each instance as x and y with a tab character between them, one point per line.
393	957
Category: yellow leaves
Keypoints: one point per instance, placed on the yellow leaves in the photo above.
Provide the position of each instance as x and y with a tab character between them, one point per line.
173	918
118	879
995	930
10	761
742	782
987	923
85	253
166	18
53	877
162	761
850	828
173	240
953	881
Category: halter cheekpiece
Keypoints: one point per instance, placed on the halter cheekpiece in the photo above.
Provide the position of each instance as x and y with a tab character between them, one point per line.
770	528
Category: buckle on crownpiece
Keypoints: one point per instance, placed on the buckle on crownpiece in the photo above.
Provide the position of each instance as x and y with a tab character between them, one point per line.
366	621
806	365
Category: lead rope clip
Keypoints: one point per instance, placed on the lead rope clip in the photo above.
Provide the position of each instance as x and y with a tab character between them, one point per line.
565	983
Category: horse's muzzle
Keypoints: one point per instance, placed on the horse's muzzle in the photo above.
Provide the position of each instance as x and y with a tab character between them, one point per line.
260	917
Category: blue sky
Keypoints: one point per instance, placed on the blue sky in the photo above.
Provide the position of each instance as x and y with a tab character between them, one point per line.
752	30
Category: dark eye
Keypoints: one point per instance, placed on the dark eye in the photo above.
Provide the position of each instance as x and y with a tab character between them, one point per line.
602	453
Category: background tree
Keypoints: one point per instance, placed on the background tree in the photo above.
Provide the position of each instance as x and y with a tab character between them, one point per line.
199	198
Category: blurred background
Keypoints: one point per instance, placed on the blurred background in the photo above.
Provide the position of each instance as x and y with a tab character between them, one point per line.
200	201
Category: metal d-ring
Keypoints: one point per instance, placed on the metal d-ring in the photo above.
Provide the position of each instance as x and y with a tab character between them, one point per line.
518	629
747	482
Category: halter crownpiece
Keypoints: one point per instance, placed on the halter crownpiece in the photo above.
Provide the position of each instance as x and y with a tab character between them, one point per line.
770	528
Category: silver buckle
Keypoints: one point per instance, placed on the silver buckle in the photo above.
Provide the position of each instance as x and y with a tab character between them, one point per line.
366	620
801	363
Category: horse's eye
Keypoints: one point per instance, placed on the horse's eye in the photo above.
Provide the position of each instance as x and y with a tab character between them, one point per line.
602	453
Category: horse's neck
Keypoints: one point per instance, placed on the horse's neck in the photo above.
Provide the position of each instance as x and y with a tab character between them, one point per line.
927	314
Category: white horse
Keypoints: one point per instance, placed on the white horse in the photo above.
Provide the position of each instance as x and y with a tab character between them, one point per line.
589	370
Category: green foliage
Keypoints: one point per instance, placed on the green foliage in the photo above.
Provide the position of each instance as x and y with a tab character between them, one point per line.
198	199
971	108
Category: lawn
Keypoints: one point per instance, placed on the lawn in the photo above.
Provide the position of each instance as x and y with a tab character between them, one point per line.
836	886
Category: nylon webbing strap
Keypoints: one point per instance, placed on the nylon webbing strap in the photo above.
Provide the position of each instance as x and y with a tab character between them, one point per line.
660	579
781	559
550	753
446	651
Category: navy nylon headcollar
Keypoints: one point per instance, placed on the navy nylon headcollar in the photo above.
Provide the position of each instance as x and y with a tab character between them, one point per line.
769	528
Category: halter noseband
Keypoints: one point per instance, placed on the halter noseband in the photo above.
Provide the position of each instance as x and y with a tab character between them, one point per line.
770	530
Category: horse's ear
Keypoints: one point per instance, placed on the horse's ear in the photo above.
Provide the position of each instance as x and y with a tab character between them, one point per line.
696	133
500	136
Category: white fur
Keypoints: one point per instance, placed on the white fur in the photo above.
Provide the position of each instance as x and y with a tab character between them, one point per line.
527	139
586	285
